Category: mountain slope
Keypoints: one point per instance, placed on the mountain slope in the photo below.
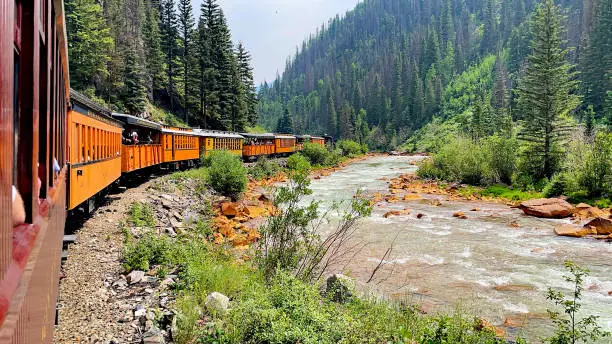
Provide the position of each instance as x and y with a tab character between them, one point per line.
389	66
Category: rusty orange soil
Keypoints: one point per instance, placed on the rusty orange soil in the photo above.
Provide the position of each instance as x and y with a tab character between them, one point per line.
237	223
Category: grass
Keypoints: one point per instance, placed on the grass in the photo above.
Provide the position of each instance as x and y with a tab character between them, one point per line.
141	215
504	192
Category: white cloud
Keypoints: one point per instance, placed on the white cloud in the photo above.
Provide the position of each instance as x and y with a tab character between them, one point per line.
271	29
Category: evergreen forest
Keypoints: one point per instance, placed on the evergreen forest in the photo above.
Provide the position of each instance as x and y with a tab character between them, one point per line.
155	59
391	67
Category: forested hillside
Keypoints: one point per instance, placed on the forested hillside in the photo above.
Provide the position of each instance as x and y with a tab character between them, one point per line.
131	53
389	67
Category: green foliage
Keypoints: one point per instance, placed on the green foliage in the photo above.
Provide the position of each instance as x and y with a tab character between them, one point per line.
141	215
557	186
297	162
351	148
264	168
511	194
150	250
227	175
316	154
500	157
546	95
569	328
89	42
596	175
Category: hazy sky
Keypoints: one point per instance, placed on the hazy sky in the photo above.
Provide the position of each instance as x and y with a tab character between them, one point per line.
271	29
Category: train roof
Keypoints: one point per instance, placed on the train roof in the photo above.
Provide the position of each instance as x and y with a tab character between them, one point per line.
77	97
88	107
217	133
284	136
303	136
137	121
179	132
258	136
318	138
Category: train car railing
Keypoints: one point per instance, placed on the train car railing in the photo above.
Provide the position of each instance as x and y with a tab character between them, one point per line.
136	157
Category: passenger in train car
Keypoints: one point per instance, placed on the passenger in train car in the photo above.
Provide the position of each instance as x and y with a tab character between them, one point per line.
18	209
134	137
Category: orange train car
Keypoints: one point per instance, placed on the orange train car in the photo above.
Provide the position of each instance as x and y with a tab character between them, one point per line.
258	145
94	150
284	144
181	146
141	143
34	95
213	140
318	140
301	140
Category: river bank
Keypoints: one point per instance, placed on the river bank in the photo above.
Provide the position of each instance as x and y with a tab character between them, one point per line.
494	261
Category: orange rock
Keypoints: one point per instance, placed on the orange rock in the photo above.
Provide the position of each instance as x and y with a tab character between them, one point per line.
228	209
226	230
392	213
547	208
435	202
515	321
515	224
240	240
601	225
412	197
484	324
317	177
218	238
420	216
574	231
514	287
254	211
460	215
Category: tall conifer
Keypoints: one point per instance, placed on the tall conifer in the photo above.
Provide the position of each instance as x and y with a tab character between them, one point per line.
545	94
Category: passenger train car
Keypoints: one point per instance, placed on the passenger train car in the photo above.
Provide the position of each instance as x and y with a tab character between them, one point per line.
59	151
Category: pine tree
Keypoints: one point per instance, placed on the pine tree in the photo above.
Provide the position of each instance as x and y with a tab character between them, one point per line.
448	28
239	105
490	36
597	60
246	76
170	36
545	94
208	74
135	93
155	71
589	124
89	42
222	56
285	125
332	122
186	26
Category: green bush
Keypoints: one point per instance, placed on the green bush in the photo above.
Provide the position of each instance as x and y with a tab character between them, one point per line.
461	160
227	175
316	154
334	158
298	162
500	154
149	250
557	186
350	148
264	168
141	215
595	176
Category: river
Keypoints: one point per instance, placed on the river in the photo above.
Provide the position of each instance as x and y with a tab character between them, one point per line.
481	265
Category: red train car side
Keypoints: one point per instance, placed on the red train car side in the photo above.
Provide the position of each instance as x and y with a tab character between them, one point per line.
34	93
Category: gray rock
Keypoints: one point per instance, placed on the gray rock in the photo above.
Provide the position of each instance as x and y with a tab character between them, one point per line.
341	288
135	276
216	303
153	336
166	204
167	197
170	231
140	313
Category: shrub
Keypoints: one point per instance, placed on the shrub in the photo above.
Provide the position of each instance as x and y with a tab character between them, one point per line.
316	154
264	168
350	148
595	176
461	160
298	162
141	215
569	328
149	250
227	175
500	154
557	186
334	158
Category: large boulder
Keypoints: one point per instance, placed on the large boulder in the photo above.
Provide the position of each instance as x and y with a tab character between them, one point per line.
217	303
229	209
340	288
547	208
574	231
602	225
